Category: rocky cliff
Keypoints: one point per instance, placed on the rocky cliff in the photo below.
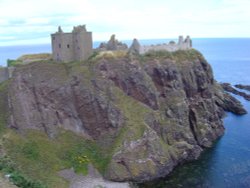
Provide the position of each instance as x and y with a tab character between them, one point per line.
148	113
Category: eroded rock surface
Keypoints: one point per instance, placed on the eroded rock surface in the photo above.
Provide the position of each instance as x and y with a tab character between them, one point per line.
152	112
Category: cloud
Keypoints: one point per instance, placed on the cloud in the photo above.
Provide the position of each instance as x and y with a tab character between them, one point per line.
27	19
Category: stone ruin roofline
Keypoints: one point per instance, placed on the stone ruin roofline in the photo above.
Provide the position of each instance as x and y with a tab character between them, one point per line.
72	46
113	44
76	29
172	42
171	46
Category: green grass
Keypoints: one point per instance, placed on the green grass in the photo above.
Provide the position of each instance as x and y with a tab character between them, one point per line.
13	62
29	58
134	113
40	158
45	56
7	166
178	56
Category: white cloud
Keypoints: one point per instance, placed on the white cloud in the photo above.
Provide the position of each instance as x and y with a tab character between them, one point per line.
128	19
4	38
37	20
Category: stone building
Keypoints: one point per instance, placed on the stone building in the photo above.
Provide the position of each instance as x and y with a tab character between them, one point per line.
74	46
171	46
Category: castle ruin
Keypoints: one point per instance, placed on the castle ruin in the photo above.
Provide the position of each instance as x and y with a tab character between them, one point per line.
78	45
170	47
115	45
74	46
112	45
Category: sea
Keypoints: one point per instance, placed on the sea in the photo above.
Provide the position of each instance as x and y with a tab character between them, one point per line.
227	163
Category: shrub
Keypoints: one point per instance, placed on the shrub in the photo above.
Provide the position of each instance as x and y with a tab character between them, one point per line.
12	62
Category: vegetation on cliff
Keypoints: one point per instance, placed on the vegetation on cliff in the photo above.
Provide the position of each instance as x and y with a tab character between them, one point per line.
133	117
29	58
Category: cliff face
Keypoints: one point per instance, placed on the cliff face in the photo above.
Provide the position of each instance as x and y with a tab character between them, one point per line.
148	113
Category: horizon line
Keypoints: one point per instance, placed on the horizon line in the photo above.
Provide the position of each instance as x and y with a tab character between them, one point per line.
123	40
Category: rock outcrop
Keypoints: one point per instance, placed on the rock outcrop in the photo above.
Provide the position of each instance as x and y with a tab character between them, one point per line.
245	87
112	45
151	113
227	87
135	47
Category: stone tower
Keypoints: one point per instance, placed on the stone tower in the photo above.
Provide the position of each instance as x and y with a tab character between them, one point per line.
74	46
180	41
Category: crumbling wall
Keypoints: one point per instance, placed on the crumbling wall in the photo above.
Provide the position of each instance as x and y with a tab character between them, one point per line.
6	73
171	46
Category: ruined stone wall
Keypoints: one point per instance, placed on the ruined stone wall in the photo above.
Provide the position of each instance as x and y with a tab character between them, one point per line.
165	47
10	71
171	47
6	73
75	46
62	47
83	46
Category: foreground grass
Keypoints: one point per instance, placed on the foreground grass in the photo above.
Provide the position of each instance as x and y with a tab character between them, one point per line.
40	158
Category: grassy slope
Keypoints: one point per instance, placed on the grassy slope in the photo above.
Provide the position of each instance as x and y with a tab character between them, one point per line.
40	158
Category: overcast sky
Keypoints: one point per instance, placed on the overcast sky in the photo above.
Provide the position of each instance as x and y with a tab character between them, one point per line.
32	21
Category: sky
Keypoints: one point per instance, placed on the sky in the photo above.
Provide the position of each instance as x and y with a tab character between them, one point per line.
32	21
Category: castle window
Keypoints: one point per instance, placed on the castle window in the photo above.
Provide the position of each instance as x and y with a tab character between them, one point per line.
60	45
68	46
53	38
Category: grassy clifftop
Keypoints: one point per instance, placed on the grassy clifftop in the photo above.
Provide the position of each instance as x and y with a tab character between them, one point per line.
29	58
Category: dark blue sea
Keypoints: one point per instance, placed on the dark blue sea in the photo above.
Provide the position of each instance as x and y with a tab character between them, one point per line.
227	163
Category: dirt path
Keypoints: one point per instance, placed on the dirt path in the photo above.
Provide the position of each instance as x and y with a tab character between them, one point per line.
92	180
4	183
